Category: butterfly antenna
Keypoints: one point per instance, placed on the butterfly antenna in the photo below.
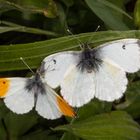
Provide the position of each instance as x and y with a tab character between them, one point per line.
75	37
21	58
98	27
76	111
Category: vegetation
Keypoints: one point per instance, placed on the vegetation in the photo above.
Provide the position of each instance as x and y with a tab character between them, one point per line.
33	29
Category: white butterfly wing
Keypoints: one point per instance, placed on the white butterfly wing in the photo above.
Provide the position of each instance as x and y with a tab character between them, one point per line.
56	65
110	82
52	106
124	52
78	87
17	98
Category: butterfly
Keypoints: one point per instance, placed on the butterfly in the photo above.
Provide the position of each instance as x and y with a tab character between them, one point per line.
99	72
22	94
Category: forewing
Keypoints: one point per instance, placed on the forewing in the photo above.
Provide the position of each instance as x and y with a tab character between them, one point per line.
110	82
78	87
57	64
124	52
16	97
52	106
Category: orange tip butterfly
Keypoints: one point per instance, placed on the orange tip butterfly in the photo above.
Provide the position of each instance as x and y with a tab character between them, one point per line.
22	94
99	72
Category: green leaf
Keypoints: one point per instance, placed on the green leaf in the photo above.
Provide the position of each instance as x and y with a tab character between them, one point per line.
20	28
132	103
68	3
7	29
69	136
17	125
117	125
39	135
61	26
33	53
112	5
137	13
46	7
108	12
3	135
3	109
92	108
4	6
89	110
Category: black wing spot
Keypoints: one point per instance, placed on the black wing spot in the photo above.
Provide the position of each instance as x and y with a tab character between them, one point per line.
4	82
124	47
54	61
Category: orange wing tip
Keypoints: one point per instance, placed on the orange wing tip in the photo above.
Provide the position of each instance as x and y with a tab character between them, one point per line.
4	86
65	108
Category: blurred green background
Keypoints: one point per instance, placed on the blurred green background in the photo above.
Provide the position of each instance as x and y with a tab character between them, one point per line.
33	29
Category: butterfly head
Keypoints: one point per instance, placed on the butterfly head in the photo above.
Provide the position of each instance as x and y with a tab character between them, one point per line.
85	46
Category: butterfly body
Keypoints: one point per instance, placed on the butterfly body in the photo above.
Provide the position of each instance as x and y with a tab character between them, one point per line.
99	72
36	85
89	59
22	94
